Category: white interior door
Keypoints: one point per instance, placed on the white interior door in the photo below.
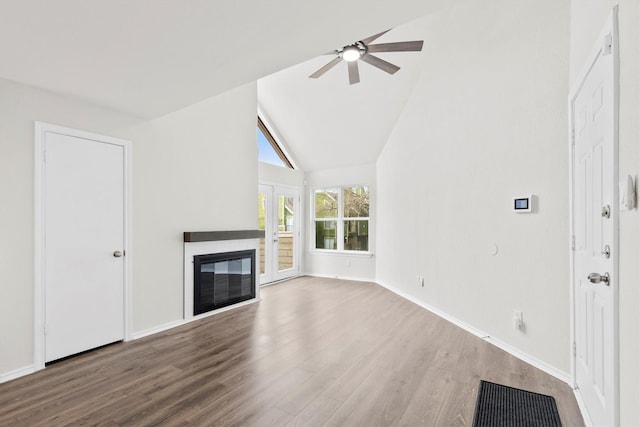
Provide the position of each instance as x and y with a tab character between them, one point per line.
595	213
84	244
279	217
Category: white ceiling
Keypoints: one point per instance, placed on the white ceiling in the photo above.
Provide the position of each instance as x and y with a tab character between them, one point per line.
327	123
152	57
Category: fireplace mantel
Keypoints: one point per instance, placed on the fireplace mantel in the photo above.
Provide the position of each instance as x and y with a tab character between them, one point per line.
213	236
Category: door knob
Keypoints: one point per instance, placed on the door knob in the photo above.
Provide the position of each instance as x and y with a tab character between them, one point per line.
117	254
598	278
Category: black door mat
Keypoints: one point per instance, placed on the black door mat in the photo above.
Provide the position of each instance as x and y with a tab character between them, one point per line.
499	405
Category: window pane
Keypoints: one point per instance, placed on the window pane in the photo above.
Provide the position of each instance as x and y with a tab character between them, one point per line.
286	207
326	235
285	213
356	235
356	202
266	153
262	209
326	203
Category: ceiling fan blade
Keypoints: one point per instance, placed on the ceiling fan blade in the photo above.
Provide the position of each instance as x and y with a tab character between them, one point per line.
380	63
354	74
375	36
414	46
326	68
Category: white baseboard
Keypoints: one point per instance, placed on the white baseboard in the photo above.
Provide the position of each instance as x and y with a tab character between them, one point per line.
156	329
583	409
533	361
334	276
21	372
180	322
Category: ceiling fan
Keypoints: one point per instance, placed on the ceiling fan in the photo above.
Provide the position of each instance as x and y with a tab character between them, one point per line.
362	50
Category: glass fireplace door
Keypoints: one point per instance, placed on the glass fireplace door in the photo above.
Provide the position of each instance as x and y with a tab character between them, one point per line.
222	279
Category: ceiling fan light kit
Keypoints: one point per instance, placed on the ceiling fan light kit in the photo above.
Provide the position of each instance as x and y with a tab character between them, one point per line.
353	52
362	50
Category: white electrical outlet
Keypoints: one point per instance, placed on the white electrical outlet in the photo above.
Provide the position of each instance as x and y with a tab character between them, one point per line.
517	321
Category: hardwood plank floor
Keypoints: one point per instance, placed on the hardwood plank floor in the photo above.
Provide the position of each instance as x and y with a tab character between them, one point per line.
313	352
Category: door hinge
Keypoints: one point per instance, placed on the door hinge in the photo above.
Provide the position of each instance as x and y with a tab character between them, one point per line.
573	242
607	45
574	349
573	137
46	330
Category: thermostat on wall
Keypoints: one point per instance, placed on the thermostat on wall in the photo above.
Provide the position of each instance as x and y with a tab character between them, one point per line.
524	204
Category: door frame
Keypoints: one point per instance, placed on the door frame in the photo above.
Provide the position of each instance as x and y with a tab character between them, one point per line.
610	27
39	305
268	232
297	230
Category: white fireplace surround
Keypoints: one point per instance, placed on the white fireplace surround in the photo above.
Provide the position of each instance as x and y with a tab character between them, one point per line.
192	249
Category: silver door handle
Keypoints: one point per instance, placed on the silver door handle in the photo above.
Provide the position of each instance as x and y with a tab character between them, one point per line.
598	278
117	254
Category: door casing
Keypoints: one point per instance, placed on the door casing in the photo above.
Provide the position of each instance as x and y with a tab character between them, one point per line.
40	131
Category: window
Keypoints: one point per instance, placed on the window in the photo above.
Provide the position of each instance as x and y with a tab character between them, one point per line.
341	218
268	149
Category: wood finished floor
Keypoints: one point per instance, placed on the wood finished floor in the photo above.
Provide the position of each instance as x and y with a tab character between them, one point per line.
313	352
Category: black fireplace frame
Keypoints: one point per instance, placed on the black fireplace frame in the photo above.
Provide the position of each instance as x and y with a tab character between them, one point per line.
200	307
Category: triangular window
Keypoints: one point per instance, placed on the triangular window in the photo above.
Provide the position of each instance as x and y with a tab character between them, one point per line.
268	149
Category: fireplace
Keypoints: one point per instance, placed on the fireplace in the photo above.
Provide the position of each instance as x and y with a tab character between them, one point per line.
223	279
220	271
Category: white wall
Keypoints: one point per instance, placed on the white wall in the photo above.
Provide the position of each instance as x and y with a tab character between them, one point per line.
487	121
212	142
587	19
19	107
343	265
194	170
272	174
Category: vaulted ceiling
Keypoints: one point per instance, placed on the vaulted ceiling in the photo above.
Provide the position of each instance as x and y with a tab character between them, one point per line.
326	123
150	57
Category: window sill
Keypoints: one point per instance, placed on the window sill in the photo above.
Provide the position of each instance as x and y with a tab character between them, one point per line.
360	254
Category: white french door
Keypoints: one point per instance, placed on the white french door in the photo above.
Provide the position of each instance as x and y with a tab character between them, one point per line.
82	241
595	226
279	217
